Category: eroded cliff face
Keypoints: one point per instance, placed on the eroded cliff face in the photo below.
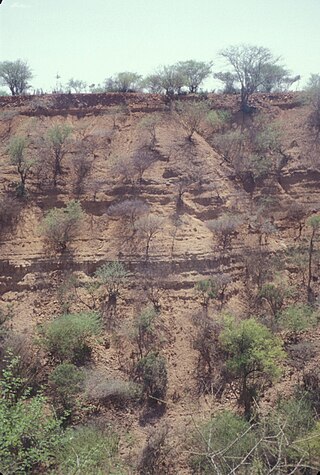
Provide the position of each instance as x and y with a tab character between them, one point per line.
186	184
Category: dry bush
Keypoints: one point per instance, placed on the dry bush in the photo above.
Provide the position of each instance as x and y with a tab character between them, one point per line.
311	384
123	169
131	168
229	144
147	330
225	226
148	126
210	370
10	209
103	390
28	366
153	287
314	99
151	372
142	159
193	115
129	211
154	456
297	212
82	166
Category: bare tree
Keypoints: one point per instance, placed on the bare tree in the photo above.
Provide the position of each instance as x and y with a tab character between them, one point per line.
192	115
142	159
225	226
148	227
82	163
149	124
128	211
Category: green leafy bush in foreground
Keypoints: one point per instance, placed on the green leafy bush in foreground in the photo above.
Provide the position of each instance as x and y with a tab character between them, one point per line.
29	433
88	451
67	337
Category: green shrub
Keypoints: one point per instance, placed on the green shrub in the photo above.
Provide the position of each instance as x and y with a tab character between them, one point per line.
66	381
152	372
298	318
207	290
19	158
60	225
88	450
222	442
67	337
29	433
253	355
274	295
291	420
145	333
275	443
112	276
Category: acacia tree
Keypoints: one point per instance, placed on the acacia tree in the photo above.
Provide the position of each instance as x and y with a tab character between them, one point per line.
15	75
169	79
194	73
77	85
60	225
149	125
225	226
123	82
276	78
129	211
57	144
112	276
251	68
253	355
17	151
173	78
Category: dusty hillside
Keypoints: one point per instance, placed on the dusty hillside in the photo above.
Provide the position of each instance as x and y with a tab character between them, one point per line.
186	184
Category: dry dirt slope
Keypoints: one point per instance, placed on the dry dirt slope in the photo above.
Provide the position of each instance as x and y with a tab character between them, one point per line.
31	278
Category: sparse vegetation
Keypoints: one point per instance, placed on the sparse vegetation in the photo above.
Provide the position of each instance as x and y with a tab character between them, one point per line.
192	269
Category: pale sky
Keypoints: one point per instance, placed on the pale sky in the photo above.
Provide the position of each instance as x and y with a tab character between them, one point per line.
93	39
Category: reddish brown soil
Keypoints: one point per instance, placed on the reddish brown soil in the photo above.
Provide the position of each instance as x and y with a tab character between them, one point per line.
30	278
